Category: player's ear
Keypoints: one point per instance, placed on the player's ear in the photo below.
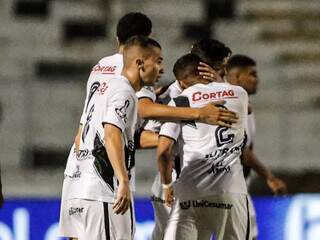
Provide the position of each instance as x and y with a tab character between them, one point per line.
140	64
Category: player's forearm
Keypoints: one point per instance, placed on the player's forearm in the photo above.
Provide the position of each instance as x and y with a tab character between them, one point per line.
115	151
251	160
165	168
78	138
167	113
148	139
164	157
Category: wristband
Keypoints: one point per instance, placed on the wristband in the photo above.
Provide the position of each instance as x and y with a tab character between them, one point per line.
167	186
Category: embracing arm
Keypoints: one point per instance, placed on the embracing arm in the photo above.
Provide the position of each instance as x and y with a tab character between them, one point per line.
210	113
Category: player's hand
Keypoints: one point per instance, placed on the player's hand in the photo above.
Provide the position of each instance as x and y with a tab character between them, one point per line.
209	73
214	115
168	196
277	186
123	200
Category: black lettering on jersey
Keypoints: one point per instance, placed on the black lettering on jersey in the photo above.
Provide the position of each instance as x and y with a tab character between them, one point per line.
122	111
183	101
93	89
102	163
87	125
129	156
222	137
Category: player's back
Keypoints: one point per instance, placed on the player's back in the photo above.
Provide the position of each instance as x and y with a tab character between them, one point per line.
211	154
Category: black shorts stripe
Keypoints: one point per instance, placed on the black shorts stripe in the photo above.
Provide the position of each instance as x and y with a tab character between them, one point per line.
106	220
248	221
131	217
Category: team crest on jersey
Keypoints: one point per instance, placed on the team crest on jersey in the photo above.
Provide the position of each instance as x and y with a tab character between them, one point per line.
122	111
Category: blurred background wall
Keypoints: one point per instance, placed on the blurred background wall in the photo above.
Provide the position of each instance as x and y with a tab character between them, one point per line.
47	48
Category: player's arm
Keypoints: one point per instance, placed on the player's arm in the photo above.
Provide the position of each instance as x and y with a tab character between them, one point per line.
120	104
148	139
210	113
77	138
164	159
169	133
276	185
115	150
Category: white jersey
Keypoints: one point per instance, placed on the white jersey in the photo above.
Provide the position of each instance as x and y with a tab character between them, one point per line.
114	102
107	67
145	92
210	154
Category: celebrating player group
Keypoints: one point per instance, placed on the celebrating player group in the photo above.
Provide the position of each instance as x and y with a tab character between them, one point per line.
202	125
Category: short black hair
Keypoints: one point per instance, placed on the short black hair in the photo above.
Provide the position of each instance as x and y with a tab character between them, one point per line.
141	41
211	51
240	61
132	24
186	65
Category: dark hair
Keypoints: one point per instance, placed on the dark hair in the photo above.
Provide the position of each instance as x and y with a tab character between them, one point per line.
132	24
186	65
211	51
141	41
241	61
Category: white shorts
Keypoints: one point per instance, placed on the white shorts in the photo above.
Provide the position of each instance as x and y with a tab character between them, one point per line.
65	223
226	216
161	217
253	219
96	220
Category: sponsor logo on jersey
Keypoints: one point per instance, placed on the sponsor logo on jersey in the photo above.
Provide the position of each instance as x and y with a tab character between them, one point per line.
122	111
198	96
83	154
75	210
98	69
185	205
204	204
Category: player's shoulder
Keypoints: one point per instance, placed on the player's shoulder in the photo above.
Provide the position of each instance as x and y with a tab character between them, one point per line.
147	92
115	58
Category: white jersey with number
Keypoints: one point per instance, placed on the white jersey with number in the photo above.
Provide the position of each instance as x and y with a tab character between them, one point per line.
210	154
107	67
114	102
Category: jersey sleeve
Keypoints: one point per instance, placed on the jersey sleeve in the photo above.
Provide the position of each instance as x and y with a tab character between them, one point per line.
119	107
171	129
147	92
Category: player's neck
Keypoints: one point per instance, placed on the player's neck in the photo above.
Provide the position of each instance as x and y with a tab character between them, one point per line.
120	50
133	78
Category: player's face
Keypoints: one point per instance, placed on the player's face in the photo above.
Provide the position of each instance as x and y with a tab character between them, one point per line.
248	79
152	68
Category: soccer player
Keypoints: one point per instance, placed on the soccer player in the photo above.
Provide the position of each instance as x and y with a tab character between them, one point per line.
242	71
129	25
210	193
102	193
212	52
